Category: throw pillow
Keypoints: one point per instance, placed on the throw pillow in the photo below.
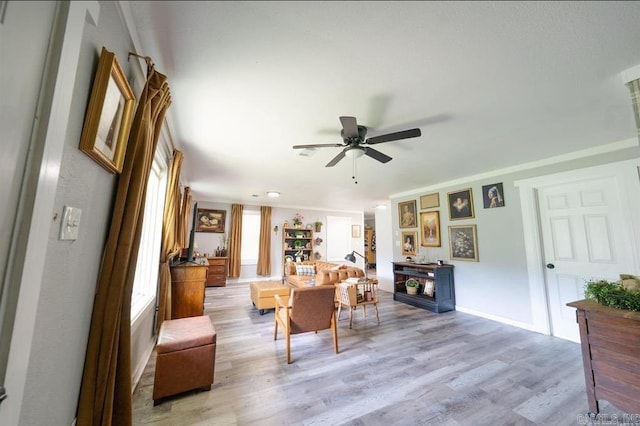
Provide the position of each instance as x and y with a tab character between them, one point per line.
305	270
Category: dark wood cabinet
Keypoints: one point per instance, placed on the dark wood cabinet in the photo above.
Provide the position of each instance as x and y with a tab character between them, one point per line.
218	271
439	276
610	341
187	290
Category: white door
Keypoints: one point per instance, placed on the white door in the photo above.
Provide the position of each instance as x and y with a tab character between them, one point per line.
584	237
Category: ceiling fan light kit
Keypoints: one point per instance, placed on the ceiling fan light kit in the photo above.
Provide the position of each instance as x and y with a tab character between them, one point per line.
353	146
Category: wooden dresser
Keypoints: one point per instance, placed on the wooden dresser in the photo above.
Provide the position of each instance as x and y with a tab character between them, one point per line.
187	290
218	271
611	354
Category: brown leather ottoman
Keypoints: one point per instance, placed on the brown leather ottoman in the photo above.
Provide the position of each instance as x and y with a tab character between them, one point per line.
262	293
186	351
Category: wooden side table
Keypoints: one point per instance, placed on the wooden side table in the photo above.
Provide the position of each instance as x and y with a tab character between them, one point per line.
352	295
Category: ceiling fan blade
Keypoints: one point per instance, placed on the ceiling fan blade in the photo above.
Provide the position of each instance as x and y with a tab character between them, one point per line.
377	155
319	145
349	127
405	134
336	159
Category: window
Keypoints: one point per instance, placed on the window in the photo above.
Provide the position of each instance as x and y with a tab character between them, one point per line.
250	237
338	238
145	281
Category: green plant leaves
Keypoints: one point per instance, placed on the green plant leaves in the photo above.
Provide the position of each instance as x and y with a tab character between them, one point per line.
613	295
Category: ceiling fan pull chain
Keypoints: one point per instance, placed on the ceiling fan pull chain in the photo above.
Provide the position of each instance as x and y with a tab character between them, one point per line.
355	171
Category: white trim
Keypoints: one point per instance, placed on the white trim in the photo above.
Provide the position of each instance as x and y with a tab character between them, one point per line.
624	172
630	74
589	152
78	16
502	320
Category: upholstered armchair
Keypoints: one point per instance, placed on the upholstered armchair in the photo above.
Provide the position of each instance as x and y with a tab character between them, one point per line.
307	309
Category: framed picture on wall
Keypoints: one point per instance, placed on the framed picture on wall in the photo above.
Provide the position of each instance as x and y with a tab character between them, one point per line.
460	204
211	220
355	231
430	229
430	201
492	195
409	241
407	214
463	243
109	115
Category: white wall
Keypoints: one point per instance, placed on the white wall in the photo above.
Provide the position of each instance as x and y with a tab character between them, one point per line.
497	286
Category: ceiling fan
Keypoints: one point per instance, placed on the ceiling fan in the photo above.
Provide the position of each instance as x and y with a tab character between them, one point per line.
355	145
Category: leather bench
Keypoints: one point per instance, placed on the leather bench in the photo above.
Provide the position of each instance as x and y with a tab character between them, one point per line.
262	293
186	352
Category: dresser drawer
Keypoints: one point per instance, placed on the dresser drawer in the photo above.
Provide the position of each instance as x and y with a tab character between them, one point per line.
219	270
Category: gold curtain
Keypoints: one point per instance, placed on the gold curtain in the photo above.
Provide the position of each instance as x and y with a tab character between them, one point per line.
183	229
264	249
105	393
235	240
170	244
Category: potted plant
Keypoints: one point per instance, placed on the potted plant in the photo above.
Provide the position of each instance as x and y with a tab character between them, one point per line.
297	220
318	225
412	286
624	294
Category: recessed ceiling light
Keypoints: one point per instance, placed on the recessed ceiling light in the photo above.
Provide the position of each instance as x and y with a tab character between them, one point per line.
273	194
381	206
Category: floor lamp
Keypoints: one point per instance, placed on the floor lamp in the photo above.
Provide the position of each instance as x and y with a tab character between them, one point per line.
351	258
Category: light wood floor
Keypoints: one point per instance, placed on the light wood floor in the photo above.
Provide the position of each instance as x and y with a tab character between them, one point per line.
415	368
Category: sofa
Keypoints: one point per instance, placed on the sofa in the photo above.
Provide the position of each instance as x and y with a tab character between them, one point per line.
324	273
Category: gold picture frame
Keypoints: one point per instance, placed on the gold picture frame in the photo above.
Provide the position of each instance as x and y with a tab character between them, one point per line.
109	115
430	229
409	242
430	201
211	220
407	214
463	243
461	204
355	231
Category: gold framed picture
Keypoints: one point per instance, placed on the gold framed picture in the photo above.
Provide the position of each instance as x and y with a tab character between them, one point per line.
355	231
461	204
407	214
430	201
463	243
430	229
211	220
109	115
409	241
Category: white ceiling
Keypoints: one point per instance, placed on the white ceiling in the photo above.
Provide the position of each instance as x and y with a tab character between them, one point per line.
490	84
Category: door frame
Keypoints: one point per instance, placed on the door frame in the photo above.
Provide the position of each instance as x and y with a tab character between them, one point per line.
626	173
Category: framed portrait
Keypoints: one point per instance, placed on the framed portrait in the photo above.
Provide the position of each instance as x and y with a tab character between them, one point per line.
355	231
463	243
109	115
430	229
211	220
430	201
409	241
460	204
492	195
407	214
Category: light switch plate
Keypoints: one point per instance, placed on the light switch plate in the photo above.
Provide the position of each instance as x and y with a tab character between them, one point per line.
70	223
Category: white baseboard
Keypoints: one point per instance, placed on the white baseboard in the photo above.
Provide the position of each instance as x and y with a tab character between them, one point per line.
502	320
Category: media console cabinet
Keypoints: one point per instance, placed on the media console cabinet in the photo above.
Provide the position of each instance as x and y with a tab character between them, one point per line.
441	276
